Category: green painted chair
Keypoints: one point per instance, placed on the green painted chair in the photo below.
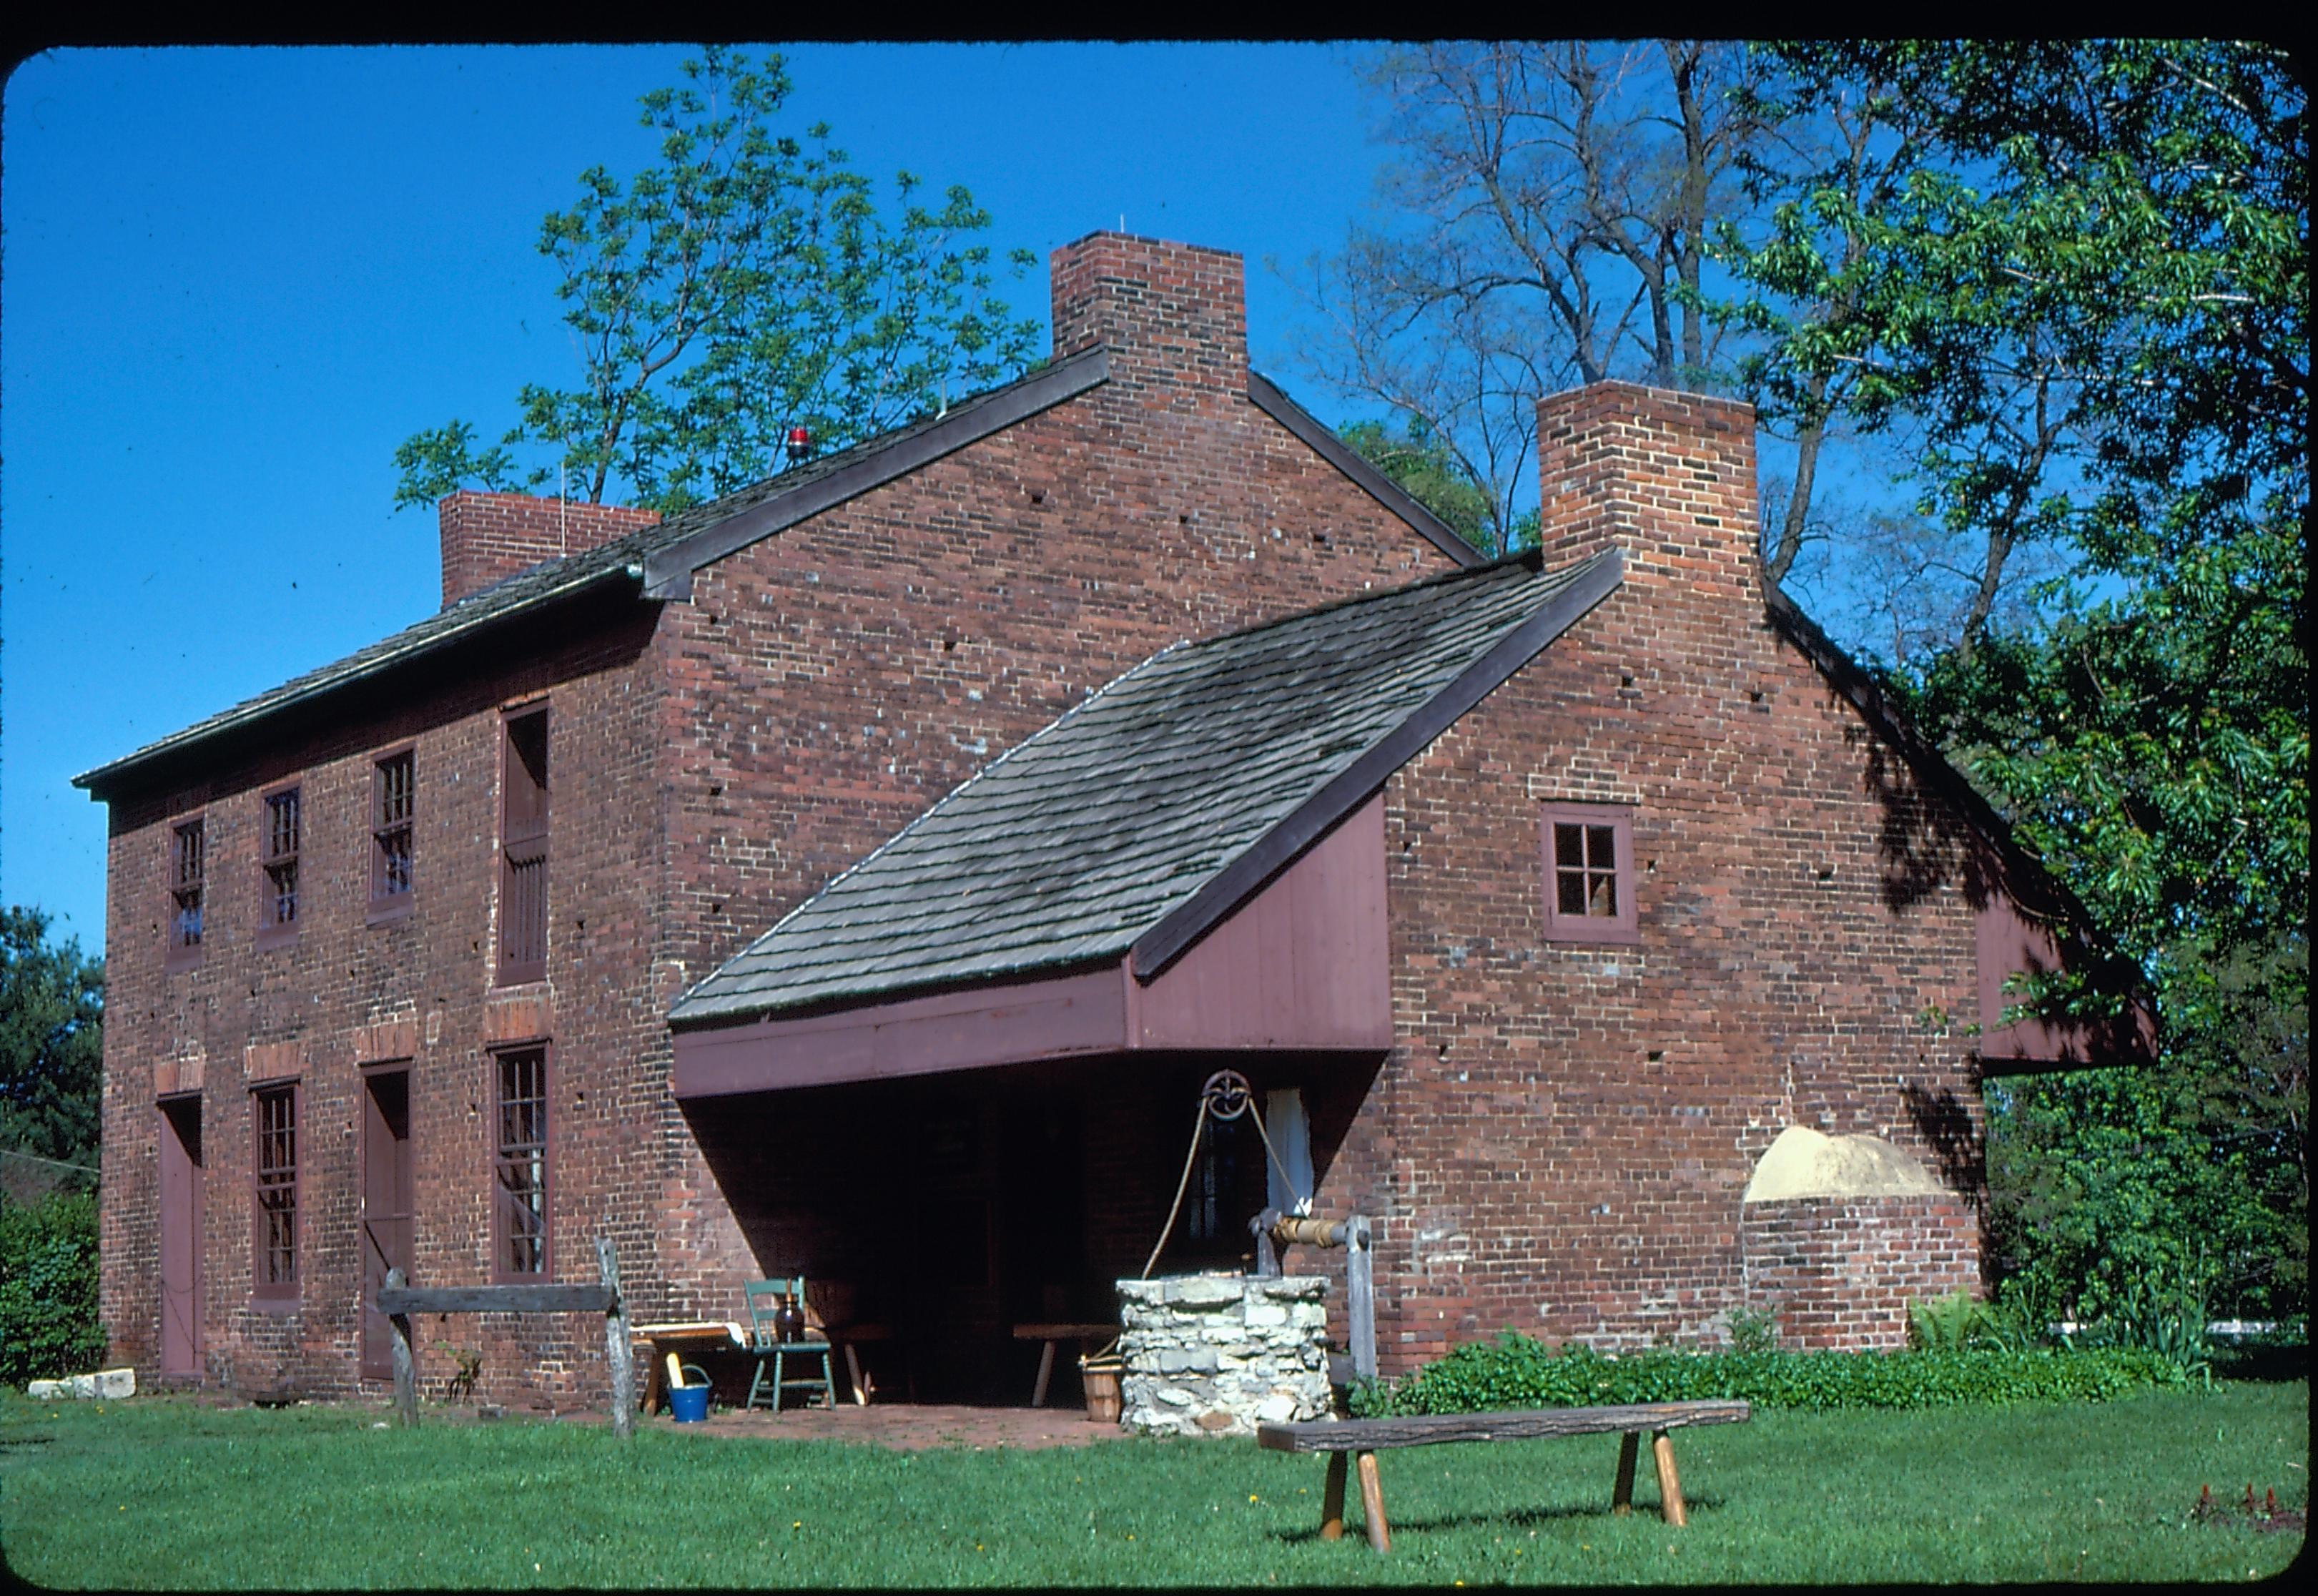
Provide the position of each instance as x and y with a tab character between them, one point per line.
766	1342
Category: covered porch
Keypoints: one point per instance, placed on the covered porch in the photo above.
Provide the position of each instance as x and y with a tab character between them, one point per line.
958	1215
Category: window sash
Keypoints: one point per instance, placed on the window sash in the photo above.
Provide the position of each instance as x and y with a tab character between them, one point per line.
188	875
283	825
523	911
523	849
274	1266
1589	874
394	808
519	1202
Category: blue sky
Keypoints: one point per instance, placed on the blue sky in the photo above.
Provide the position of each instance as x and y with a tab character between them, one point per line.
232	281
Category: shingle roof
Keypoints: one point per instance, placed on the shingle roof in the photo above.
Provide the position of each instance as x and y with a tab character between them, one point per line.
1089	837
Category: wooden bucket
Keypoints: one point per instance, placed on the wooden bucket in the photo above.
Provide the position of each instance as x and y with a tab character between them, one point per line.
1101	1377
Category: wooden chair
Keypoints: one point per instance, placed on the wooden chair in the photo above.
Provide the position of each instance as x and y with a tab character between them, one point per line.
766	1343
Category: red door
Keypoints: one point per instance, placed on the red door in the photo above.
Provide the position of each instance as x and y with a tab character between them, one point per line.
181	1237
386	1207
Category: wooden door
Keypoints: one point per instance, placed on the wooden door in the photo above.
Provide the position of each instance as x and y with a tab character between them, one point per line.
181	1237
386	1184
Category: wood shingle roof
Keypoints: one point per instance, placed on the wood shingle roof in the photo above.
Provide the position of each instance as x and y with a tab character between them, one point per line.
1148	811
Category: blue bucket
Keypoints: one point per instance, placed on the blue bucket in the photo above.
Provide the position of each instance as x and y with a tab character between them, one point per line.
689	1403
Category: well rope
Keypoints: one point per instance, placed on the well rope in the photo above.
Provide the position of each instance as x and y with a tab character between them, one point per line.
1226	1097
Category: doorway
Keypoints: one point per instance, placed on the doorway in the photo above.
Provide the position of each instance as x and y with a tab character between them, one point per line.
181	1236
386	1187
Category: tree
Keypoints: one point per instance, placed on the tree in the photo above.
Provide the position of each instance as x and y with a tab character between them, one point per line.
2083	300
746	283
51	1046
1546	224
1432	475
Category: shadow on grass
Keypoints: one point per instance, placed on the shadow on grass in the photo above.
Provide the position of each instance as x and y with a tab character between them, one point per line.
2270	1365
1509	1518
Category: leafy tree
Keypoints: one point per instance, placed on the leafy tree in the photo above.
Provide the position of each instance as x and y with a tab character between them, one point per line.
2082	300
1431	473
51	1045
746	283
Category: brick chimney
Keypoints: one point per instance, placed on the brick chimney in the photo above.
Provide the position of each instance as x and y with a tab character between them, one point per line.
1174	316
487	537
1667	477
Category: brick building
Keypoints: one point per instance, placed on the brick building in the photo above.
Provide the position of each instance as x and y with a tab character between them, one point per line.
456	953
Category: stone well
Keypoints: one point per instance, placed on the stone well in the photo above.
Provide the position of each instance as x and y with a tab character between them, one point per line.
1218	1354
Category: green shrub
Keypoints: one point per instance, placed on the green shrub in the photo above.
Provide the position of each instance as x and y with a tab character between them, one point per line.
1944	1324
2166	1321
47	1288
1516	1371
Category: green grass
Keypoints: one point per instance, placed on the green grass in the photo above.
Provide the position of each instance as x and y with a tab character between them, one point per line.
159	1494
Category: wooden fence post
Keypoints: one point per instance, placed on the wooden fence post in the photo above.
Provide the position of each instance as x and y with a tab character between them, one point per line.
1360	1289
616	1343
406	1368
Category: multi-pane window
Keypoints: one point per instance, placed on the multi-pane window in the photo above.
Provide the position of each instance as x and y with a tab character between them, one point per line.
523	851
1586	871
519	1197
392	804
273	1270
188	865
1589	874
278	916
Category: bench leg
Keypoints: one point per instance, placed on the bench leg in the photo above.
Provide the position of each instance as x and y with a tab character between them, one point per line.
1621	1495
1669	1484
1046	1373
1331	1500
1372	1504
853	1368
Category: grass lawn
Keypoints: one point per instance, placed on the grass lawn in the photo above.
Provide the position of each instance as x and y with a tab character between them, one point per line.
160	1494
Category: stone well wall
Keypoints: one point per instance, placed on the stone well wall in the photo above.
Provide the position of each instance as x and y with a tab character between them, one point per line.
1217	1354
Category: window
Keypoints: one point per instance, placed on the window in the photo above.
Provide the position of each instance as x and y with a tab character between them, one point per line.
273	1268
519	1200
523	851
188	861
392	803
1589	874
277	920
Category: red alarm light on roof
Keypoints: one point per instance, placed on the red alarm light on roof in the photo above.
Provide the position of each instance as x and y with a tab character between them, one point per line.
800	444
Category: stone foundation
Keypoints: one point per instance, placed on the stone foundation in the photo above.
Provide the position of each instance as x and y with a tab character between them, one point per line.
1218	1354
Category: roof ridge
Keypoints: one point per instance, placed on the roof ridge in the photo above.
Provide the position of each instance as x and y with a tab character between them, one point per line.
510	597
1533	558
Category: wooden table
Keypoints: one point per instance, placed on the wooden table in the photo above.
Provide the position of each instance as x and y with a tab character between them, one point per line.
1050	1334
694	1335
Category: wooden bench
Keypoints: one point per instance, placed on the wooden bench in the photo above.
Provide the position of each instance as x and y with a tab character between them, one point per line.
1364	1439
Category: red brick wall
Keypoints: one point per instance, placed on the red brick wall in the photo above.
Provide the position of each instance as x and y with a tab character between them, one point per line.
488	537
347	992
711	766
912	635
1841	1271
1559	1142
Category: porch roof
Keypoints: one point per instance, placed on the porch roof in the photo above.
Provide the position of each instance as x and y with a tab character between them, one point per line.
1147	812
